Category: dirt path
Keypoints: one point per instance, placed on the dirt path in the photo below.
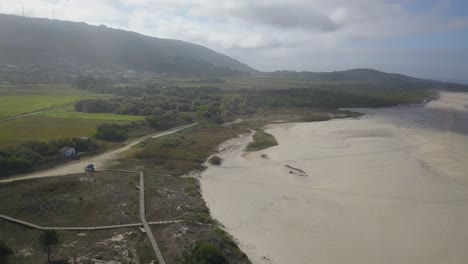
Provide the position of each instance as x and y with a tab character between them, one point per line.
100	161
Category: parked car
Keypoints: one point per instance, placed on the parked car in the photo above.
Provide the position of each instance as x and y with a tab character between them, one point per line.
90	168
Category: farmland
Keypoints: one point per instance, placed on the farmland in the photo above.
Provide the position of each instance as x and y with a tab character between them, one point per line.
22	104
42	128
17	100
58	118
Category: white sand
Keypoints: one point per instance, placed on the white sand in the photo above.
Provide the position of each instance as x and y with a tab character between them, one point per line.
391	187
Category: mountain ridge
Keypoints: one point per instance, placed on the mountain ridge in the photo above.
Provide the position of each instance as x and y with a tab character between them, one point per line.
46	41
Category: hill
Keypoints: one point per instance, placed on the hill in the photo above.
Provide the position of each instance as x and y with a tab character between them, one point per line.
353	75
369	77
46	42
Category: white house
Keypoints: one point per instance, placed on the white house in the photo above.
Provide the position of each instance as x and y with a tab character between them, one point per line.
67	151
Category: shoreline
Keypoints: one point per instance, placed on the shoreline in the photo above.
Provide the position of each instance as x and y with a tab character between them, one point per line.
391	163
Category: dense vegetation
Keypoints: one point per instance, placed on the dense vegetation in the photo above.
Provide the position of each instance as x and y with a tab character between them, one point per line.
36	155
163	105
112	132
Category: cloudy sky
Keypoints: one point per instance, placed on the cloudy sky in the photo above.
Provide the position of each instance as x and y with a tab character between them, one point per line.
426	38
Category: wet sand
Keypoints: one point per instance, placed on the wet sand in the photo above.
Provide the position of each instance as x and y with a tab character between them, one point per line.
389	187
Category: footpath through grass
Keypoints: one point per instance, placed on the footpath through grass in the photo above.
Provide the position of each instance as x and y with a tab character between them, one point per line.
21	104
22	99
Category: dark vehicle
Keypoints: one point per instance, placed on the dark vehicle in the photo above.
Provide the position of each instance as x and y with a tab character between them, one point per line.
90	168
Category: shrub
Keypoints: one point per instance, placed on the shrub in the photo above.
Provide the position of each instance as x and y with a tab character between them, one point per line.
215	160
205	253
111	132
171	142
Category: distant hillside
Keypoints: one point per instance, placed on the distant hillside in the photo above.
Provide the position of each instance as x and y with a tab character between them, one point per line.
370	76
354	75
26	41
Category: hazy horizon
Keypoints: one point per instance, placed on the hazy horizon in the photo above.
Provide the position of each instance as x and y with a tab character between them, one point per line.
427	39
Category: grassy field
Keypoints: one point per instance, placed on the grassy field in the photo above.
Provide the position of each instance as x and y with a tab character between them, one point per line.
42	128
261	140
17	100
20	104
69	112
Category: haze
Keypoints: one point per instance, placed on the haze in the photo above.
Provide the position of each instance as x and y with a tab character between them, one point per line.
417	37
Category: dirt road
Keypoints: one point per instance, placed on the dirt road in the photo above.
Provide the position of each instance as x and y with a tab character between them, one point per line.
100	161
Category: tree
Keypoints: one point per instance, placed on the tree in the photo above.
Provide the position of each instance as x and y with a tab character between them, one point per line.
5	253
48	240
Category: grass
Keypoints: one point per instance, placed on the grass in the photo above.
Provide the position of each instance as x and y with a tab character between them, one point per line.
20	104
79	200
185	151
101	198
262	140
69	112
21	99
43	128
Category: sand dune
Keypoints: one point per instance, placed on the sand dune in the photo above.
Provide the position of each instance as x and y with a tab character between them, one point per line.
390	187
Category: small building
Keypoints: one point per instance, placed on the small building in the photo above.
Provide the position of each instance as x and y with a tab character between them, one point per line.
68	152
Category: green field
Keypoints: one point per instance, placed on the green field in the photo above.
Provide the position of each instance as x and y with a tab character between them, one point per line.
61	121
17	100
69	112
21	104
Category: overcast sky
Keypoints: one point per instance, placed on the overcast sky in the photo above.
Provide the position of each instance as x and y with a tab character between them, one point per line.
426	38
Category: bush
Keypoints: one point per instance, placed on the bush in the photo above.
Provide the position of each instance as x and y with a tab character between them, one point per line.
171	142
111	132
215	160
262	140
5	250
95	106
205	253
165	121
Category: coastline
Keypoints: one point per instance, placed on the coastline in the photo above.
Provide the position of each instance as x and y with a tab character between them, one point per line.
390	185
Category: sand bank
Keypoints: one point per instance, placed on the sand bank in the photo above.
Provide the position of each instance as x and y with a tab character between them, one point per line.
389	187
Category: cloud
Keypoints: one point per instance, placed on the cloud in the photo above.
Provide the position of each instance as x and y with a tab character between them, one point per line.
285	16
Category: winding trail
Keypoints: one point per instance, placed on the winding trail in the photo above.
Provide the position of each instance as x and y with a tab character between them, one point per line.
100	161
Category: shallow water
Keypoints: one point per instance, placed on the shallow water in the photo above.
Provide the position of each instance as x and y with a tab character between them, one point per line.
389	187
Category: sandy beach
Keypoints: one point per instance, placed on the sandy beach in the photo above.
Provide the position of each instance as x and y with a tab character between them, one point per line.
389	187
